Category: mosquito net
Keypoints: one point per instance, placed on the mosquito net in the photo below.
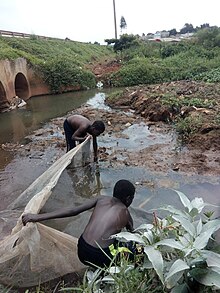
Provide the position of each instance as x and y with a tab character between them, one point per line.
36	253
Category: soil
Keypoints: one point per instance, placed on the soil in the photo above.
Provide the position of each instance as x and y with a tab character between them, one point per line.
198	154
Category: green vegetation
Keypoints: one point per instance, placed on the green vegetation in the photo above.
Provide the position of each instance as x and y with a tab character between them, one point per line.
142	62
140	71
147	62
179	255
60	73
170	100
188	126
63	64
212	75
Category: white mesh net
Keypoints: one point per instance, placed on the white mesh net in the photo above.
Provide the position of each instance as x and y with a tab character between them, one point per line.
36	253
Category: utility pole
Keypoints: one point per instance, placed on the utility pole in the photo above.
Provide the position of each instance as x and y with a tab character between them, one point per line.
115	19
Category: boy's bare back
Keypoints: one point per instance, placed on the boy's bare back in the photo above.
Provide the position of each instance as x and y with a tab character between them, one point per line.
110	215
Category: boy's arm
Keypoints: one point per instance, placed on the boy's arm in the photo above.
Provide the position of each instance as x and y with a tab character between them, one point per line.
130	224
95	148
77	135
63	213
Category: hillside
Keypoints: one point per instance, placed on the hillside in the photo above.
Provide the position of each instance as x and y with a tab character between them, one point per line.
39	50
63	64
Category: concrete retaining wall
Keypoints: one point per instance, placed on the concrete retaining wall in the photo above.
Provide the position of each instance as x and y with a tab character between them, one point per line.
17	78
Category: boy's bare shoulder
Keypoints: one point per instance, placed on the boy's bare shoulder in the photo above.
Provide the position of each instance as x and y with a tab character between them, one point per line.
110	200
104	198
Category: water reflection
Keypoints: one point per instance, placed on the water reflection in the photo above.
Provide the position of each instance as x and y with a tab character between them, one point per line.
21	122
17	124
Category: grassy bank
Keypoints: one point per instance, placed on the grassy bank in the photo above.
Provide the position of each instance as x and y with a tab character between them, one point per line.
66	63
61	63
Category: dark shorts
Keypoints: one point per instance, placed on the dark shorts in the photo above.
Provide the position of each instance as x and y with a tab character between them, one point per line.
70	143
93	256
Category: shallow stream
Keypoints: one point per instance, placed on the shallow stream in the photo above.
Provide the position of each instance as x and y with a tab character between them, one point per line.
153	189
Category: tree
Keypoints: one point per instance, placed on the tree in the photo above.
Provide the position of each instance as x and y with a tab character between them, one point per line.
188	28
209	37
204	25
110	41
126	41
123	24
173	32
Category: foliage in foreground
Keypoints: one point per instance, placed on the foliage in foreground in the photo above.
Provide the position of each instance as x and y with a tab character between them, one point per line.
177	256
180	255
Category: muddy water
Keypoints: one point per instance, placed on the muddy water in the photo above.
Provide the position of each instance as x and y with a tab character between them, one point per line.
16	124
78	182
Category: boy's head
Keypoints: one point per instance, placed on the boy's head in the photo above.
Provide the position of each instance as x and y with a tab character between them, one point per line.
97	128
124	190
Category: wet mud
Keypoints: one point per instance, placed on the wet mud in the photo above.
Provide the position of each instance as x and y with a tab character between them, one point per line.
132	147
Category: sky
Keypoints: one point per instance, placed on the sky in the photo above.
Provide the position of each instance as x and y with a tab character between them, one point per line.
93	20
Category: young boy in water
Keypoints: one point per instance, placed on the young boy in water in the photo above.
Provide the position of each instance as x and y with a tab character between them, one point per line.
110	216
78	127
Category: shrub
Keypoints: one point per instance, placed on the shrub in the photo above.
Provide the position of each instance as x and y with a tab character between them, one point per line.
209	76
177	256
188	126
62	73
140	71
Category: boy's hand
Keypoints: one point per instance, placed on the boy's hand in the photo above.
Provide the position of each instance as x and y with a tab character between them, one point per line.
29	218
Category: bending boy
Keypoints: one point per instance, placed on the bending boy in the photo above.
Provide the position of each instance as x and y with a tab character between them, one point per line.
110	216
78	127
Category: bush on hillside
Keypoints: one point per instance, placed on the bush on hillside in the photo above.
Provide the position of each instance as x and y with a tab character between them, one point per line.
140	71
211	76
209	37
61	73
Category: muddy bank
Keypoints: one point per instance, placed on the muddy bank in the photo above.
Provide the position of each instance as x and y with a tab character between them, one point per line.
200	156
131	140
168	106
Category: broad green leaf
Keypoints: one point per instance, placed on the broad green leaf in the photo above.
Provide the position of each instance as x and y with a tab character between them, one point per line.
212	258
155	257
174	211
211	224
187	225
183	288
199	227
171	243
194	212
197	261
202	240
215	269
206	277
144	227
186	239
149	236
175	273
108	279
172	281
187	251
127	236
147	264
177	266
184	199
